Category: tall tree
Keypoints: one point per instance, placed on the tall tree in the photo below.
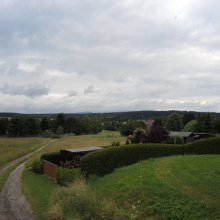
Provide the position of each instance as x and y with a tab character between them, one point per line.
44	123
174	122
3	125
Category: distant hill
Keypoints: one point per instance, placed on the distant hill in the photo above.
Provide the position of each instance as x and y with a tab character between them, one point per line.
120	116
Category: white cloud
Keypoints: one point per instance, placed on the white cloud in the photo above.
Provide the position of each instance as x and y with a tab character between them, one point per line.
109	55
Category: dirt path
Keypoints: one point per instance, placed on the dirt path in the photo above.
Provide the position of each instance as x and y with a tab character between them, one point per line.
13	205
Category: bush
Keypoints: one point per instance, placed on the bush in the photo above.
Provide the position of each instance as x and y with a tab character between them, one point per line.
115	143
65	176
205	146
37	166
105	161
175	139
53	157
55	136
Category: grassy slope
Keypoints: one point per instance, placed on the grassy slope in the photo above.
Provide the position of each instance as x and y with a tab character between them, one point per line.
185	187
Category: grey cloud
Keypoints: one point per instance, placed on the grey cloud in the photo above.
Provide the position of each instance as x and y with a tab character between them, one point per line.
31	90
72	93
90	89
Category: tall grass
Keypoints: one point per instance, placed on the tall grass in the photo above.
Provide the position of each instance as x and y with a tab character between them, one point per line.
12	148
104	138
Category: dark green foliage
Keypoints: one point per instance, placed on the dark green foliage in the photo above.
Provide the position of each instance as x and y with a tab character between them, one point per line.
187	117
37	166
106	160
157	122
3	125
53	157
55	136
65	176
115	143
205	146
174	122
44	123
130	126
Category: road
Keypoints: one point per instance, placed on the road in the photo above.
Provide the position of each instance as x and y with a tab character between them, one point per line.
13	204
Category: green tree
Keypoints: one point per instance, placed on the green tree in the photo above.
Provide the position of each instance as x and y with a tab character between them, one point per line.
191	126
216	125
96	125
174	122
3	125
44	124
60	130
207	126
86	124
157	122
15	127
187	117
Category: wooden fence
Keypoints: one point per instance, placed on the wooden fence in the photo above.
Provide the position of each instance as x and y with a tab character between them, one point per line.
49	169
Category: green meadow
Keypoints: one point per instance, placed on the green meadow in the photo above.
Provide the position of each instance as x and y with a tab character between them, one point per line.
177	187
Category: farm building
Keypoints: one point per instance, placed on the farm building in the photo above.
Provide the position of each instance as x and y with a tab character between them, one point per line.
71	157
187	136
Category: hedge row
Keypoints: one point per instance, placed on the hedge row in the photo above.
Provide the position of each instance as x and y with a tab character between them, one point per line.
53	157
105	161
205	146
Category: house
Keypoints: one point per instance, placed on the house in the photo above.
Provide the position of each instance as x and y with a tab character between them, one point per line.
187	136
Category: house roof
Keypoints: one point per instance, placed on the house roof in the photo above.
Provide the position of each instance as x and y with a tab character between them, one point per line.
183	134
82	150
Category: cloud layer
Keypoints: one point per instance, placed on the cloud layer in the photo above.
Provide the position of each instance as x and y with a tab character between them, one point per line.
71	56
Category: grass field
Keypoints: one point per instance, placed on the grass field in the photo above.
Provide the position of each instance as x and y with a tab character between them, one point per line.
105	138
12	148
178	187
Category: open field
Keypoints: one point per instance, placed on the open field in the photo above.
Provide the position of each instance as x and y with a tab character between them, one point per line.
12	148
177	187
105	138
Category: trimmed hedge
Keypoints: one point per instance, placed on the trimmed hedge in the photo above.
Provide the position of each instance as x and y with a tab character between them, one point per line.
205	146
105	161
53	157
65	176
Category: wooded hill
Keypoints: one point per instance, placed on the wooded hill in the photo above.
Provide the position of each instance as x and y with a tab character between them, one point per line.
115	116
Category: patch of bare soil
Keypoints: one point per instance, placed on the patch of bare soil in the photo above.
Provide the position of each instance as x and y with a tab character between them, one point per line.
13	205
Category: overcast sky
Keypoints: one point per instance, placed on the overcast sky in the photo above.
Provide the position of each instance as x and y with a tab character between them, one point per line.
109	55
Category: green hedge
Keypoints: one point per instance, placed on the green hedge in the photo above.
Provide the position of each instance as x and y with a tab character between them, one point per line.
105	161
65	176
53	157
205	146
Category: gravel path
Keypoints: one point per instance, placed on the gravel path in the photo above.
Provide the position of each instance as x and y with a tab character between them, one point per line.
13	205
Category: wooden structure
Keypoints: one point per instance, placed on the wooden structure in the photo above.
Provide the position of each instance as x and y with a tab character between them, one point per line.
49	169
71	157
187	136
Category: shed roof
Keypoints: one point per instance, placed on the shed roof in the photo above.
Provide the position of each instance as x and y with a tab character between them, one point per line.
82	150
183	134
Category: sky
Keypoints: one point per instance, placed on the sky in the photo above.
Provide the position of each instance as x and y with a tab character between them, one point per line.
110	55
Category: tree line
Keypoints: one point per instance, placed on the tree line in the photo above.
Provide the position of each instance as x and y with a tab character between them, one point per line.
31	126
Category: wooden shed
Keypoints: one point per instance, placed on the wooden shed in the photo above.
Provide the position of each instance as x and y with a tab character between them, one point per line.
71	157
187	136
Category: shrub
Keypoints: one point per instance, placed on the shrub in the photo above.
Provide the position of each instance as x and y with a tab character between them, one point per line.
205	146
115	143
55	136
37	166
105	161
175	139
53	157
65	176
